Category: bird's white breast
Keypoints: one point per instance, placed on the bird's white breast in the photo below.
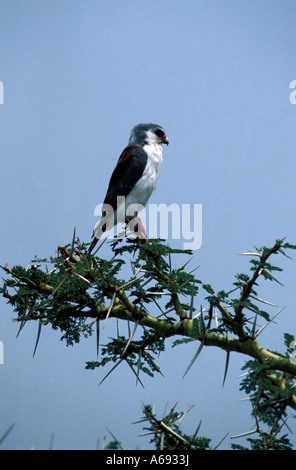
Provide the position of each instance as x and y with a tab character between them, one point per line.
147	183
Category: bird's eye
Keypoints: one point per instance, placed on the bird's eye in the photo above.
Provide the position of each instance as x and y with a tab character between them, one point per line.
159	133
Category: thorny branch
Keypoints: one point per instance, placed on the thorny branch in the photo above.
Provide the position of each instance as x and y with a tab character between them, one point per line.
81	291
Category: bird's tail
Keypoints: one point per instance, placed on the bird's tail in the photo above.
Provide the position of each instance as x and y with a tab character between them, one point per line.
99	229
93	244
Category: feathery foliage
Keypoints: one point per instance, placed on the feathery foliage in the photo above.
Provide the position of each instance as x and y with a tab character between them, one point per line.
76	294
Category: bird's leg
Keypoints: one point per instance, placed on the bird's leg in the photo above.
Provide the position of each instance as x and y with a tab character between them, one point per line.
136	226
139	228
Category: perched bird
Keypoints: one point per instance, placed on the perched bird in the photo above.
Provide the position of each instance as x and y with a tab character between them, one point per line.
133	180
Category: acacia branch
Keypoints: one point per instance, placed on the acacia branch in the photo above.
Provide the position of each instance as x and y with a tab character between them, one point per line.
59	303
247	289
184	328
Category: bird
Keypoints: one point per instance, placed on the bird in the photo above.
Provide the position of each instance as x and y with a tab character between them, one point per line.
133	180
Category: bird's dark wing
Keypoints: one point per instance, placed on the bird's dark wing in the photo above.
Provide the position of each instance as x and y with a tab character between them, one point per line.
128	171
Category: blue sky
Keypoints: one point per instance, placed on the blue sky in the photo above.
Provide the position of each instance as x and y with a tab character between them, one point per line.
77	76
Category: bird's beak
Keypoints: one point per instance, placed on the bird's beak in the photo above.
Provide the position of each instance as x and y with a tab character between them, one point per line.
165	141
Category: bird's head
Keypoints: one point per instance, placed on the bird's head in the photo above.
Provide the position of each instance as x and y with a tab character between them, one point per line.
144	134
